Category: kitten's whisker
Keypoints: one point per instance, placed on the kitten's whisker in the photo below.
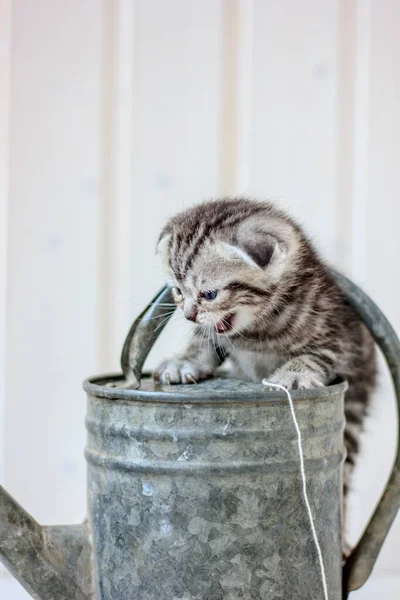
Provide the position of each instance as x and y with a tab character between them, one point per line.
223	350
169	304
241	335
196	333
233	329
162	304
208	340
162	322
165	314
203	339
200	334
193	331
230	341
211	335
214	344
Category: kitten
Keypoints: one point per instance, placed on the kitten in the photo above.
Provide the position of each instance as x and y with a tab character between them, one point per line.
246	272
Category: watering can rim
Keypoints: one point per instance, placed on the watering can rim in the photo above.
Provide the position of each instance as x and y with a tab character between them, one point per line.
197	394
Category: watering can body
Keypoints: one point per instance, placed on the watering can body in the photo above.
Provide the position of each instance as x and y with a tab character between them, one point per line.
194	492
197	494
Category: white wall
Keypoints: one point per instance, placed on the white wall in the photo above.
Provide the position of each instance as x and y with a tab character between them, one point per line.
115	114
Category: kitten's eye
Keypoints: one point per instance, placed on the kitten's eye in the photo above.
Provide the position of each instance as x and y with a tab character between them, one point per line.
177	294
209	294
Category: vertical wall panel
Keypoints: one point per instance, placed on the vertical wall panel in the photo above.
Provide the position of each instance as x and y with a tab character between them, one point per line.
294	128
360	163
53	251
5	78
382	248
176	156
345	148
237	34
117	141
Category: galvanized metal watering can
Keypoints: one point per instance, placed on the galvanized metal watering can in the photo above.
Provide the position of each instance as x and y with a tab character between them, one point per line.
194	492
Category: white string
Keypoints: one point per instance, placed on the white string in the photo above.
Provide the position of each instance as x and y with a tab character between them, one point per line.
303	477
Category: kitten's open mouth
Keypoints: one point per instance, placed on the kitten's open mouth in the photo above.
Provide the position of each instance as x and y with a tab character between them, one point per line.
226	324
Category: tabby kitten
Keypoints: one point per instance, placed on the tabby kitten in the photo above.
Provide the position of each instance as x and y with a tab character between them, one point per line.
245	273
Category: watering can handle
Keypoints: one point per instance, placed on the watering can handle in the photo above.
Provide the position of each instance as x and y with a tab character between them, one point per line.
358	566
142	335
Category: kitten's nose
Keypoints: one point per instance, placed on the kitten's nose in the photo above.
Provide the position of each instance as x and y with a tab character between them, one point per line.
191	313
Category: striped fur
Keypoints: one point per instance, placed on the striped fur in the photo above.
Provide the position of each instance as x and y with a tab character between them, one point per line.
290	323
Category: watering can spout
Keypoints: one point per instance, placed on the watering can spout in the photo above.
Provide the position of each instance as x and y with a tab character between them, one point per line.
50	562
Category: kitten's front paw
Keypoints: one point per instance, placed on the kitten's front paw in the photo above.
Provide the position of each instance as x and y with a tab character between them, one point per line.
296	380
180	370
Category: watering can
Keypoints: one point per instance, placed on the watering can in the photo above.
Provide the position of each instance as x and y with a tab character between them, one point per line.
194	492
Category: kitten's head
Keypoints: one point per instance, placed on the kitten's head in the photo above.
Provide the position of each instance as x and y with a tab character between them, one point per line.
224	259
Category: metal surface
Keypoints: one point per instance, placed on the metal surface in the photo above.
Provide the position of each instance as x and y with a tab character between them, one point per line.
52	563
361	561
194	492
143	333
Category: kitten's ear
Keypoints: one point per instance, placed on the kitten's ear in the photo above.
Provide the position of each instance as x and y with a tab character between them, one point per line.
162	244
163	239
260	243
163	248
